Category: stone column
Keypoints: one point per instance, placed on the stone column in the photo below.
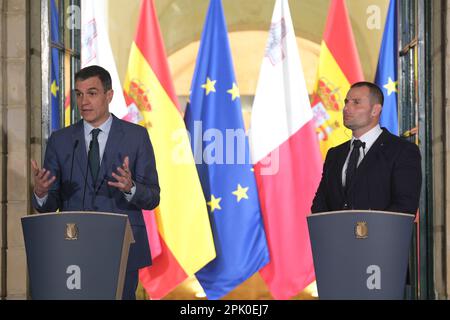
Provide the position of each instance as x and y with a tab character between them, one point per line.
438	57
446	250
14	121
2	154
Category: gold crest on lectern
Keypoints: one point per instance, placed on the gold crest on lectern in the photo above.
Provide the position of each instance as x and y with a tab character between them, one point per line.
71	231
361	230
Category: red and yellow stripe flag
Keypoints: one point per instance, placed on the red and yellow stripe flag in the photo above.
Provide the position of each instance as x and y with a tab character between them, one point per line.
182	216
67	115
339	67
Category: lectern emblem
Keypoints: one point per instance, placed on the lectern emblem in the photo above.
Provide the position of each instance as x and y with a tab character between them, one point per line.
71	231
361	230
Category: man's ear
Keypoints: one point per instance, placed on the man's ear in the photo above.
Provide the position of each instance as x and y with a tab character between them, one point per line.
110	95
376	110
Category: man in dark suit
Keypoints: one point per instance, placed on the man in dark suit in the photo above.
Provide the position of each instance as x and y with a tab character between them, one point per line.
379	171
101	163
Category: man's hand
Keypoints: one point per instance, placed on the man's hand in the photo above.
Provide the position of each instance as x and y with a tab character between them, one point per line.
123	177
42	180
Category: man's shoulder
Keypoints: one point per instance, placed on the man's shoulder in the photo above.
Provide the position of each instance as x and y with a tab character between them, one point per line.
338	151
67	131
398	142
130	126
343	146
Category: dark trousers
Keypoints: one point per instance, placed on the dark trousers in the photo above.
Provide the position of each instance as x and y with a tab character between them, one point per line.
130	285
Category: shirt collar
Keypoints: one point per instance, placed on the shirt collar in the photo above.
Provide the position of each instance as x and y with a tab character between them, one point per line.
104	127
370	136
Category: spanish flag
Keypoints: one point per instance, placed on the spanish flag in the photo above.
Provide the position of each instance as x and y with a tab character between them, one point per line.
339	67
182	216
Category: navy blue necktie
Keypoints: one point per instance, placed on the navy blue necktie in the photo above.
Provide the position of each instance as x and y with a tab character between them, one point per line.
353	162
94	154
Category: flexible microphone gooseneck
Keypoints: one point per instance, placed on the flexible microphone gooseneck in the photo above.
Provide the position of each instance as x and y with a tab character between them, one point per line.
75	145
73	157
86	172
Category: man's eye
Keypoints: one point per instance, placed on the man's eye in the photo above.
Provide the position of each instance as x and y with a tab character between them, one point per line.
92	94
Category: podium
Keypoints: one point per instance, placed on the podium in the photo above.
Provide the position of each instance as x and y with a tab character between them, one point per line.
77	255
360	254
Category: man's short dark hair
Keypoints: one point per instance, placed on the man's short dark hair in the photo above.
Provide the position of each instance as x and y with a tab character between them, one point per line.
95	71
376	95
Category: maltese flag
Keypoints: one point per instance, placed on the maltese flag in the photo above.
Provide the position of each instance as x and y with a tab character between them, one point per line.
96	49
286	157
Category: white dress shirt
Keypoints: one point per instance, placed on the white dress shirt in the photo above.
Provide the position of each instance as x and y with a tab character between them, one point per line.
102	136
369	139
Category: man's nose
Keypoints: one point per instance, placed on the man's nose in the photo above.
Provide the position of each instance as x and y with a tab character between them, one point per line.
82	100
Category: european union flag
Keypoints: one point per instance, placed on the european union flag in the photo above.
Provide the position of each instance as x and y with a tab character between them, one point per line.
220	146
386	76
54	78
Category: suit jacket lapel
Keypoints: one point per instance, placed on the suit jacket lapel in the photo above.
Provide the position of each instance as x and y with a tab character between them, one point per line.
111	154
341	157
370	156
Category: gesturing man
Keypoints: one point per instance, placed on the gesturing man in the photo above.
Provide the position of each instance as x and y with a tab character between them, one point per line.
101	163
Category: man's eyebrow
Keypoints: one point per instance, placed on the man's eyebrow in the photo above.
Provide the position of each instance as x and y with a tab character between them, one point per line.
89	89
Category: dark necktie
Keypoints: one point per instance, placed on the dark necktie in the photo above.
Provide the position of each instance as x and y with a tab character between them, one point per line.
94	154
353	162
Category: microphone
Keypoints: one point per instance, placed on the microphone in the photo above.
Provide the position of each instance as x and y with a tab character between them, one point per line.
75	145
73	156
85	177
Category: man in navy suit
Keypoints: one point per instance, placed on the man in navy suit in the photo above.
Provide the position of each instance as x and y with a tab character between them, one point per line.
101	163
385	173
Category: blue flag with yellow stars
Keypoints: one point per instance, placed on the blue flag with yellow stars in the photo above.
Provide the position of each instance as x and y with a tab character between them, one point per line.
386	76
54	77
221	152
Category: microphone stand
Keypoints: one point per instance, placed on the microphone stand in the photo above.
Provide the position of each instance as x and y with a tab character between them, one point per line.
86	173
71	169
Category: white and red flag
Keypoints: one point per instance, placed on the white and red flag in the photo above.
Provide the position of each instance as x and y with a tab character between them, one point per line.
96	49
286	157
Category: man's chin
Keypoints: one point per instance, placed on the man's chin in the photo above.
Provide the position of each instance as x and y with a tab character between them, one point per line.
348	126
86	117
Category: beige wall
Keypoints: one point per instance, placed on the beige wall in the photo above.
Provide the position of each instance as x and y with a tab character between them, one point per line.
438	152
2	158
14	120
446	76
